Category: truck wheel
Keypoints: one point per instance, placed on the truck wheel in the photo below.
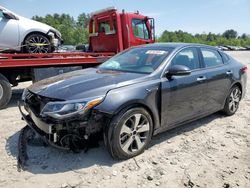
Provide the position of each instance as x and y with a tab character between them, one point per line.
129	133
37	43
5	93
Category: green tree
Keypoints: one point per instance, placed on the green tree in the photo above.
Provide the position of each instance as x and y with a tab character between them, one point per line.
230	34
73	32
227	38
83	20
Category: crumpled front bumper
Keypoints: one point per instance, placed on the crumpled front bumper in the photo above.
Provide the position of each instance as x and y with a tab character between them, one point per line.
29	129
56	39
47	137
51	134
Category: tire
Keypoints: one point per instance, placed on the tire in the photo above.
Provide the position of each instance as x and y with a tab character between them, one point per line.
37	43
232	101
5	93
129	133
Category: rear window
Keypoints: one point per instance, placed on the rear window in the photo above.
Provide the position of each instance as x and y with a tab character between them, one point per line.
211	57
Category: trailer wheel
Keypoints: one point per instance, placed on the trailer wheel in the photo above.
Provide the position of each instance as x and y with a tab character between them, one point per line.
37	43
5	93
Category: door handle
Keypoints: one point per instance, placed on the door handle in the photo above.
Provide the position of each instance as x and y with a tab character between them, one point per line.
229	72
201	78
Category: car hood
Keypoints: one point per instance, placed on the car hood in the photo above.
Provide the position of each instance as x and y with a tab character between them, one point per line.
84	83
32	24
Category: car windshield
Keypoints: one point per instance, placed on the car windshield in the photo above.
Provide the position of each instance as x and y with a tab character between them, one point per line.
140	60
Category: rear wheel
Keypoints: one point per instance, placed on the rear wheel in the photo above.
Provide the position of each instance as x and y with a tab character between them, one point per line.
5	93
130	133
37	43
232	101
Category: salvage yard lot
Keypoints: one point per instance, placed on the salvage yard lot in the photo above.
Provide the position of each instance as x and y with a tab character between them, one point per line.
211	152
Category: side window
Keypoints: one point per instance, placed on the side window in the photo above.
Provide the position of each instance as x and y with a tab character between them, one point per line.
225	57
1	14
104	27
114	25
140	29
188	57
211	57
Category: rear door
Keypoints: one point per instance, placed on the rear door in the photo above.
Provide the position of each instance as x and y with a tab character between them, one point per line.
183	96
219	76
9	34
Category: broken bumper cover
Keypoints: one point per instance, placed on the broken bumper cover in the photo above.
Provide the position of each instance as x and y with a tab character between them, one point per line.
56	38
75	136
68	133
46	137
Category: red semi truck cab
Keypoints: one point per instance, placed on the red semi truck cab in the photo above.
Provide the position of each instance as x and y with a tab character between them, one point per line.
114	31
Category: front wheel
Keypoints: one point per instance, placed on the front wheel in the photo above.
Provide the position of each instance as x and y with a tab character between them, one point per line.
232	101
129	133
37	43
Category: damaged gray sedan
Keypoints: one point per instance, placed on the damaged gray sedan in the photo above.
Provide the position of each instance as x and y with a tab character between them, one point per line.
134	95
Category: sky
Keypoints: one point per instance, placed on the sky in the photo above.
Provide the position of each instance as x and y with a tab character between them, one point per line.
193	16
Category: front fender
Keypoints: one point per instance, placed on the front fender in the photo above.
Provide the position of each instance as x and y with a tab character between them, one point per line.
146	94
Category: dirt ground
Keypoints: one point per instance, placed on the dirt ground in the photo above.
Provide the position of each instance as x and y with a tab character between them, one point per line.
211	152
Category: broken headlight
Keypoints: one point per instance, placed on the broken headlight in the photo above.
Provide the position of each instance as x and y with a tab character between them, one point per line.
66	109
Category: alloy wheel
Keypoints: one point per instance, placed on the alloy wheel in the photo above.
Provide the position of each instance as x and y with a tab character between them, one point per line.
234	99
38	44
134	133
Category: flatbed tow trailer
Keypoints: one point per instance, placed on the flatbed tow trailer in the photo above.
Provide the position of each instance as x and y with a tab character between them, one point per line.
52	59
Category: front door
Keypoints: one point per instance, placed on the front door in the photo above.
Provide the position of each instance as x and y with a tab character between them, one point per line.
183	96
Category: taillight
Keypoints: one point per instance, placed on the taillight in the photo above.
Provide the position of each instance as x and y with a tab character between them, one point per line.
243	69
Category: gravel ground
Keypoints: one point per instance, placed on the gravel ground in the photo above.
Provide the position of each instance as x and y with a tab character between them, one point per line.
211	152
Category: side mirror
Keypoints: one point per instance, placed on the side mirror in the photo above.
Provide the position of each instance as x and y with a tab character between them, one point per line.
178	70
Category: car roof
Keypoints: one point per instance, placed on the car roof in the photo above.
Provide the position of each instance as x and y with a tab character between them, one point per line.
2	8
177	45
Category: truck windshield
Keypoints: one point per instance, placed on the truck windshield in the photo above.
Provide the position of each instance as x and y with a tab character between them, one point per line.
140	60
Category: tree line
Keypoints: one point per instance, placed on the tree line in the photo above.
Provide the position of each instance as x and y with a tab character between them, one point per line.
75	31
229	37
